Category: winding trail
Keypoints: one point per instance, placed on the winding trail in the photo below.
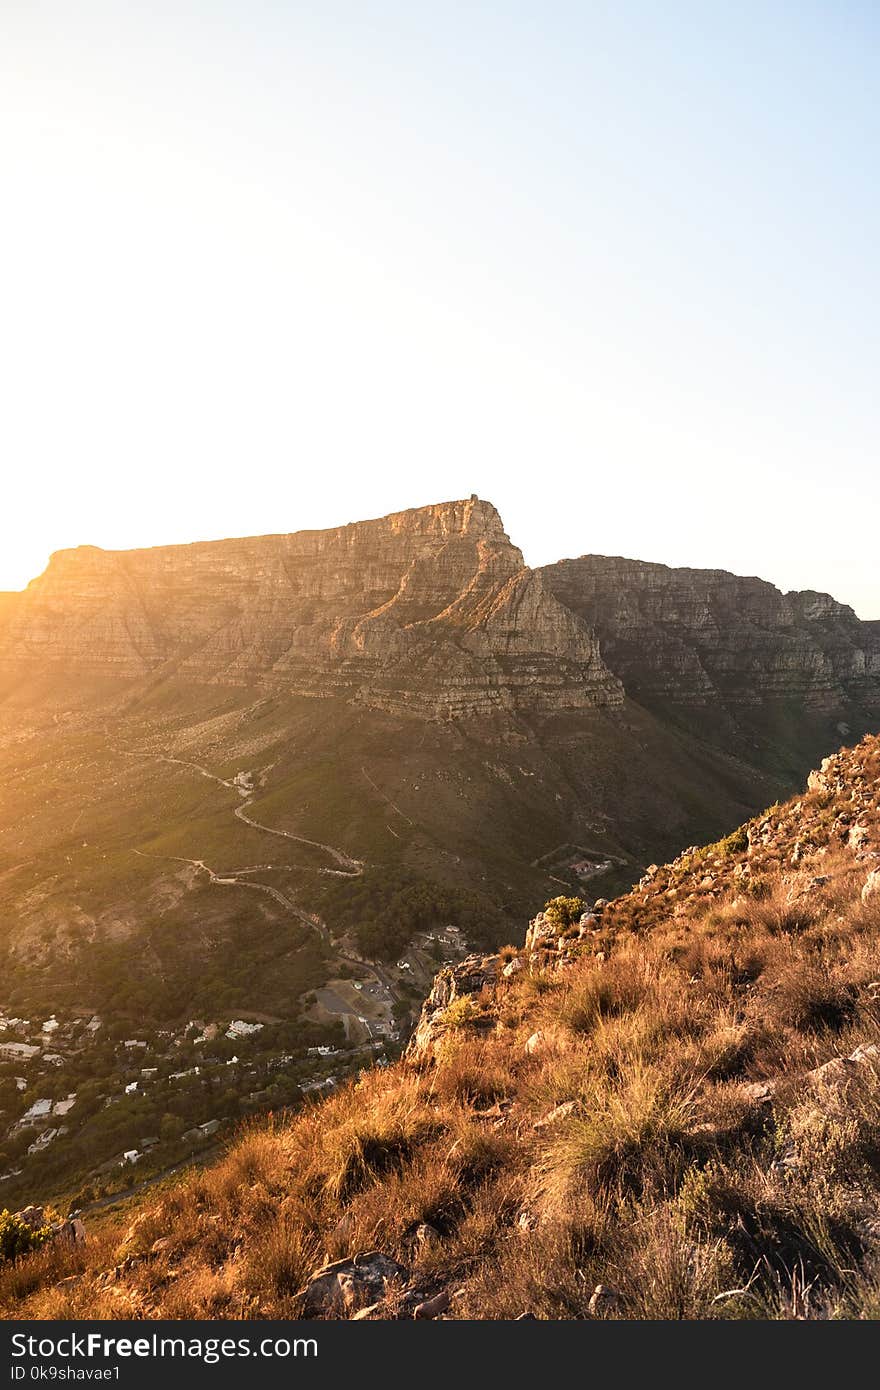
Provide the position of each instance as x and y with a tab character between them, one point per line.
346	865
351	868
230	880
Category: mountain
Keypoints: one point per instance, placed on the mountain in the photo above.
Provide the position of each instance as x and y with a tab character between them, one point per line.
768	674
662	1106
429	613
276	781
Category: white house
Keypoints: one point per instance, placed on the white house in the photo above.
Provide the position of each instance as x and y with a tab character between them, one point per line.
40	1110
17	1052
238	1028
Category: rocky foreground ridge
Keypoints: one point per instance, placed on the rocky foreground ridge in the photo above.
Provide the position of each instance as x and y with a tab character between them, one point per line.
666	1105
432	612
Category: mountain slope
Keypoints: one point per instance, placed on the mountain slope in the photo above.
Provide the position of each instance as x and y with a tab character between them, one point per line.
775	677
278	779
664	1106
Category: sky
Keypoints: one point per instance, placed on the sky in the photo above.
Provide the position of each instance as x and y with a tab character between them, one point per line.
268	265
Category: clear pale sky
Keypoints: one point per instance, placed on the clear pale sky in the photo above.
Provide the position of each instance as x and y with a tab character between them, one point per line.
270	265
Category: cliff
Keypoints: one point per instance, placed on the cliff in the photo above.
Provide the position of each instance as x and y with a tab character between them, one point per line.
429	612
698	637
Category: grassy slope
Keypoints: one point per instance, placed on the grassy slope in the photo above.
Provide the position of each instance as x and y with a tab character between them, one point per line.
701	1167
89	810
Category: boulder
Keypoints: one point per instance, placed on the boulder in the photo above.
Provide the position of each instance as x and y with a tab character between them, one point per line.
34	1217
871	885
859	837
604	1302
453	982
758	1092
70	1232
341	1288
559	1112
433	1307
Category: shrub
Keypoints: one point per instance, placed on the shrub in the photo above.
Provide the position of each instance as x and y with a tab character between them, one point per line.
808	999
17	1238
563	912
461	1011
735	843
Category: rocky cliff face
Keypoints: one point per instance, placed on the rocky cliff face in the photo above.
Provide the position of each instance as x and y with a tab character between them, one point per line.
431	612
428	612
697	637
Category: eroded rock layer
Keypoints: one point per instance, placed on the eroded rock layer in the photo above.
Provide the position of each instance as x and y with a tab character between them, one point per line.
429	611
704	636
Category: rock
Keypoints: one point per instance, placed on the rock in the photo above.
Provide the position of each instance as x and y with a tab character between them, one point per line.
347	1285
559	1112
426	1234
540	932
70	1232
469	977
839	1071
32	1216
536	1043
495	1112
513	967
758	1092
365	1314
604	1301
433	1307
871	885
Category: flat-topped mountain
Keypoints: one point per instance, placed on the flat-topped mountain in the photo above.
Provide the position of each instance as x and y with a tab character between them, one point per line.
430	611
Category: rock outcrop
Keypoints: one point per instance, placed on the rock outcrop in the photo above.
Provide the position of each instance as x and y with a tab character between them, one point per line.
429	612
700	637
452	984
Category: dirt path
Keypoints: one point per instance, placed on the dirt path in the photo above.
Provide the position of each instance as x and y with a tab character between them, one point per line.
236	880
351	868
347	865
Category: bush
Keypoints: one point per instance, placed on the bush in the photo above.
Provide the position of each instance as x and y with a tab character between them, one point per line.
563	913
735	843
17	1238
